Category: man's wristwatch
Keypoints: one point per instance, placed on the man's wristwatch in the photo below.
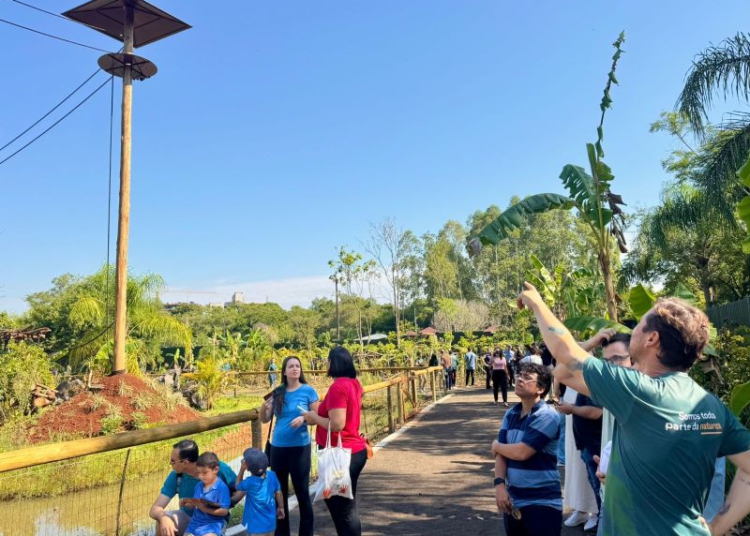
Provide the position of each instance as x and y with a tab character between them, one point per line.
499	480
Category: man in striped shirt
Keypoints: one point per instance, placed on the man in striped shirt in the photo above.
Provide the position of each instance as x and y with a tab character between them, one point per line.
527	483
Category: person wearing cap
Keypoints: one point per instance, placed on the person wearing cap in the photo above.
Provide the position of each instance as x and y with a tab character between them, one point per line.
668	429
264	503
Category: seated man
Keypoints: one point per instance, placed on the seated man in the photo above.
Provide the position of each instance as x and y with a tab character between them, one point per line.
181	482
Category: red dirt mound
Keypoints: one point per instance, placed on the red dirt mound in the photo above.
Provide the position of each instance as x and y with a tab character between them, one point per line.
126	403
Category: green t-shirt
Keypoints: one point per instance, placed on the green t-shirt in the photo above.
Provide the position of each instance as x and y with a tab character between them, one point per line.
667	436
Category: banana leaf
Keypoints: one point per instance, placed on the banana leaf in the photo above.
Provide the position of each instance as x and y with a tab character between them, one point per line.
740	398
641	301
513	218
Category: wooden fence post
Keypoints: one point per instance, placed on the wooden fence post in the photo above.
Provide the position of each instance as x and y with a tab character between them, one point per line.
415	401
118	525
400	402
256	433
391	426
432	386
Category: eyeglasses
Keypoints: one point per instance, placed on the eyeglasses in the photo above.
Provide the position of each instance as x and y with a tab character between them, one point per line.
172	462
526	378
618	358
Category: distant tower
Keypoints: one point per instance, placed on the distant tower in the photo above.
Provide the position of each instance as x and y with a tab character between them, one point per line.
238	297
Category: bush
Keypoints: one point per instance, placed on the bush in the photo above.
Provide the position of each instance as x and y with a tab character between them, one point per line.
733	346
21	367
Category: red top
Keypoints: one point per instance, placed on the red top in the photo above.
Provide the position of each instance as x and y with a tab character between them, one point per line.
344	393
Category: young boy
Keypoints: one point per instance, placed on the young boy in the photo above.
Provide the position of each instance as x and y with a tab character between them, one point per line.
263	500
210	499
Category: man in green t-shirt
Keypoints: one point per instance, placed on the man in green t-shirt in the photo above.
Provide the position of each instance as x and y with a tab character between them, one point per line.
668	430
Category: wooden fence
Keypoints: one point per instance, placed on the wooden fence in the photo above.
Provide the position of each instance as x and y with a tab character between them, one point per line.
735	313
402	387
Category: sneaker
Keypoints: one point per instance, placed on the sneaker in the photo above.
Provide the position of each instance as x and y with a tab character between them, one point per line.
591	524
576	518
505	404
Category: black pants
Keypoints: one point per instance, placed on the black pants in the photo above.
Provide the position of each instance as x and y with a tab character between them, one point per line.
488	376
511	374
344	511
469	374
500	381
535	521
294	462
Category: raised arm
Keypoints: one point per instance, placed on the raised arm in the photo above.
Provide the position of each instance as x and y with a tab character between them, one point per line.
556	336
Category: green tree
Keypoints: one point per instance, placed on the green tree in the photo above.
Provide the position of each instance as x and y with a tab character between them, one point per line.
80	309
357	276
393	249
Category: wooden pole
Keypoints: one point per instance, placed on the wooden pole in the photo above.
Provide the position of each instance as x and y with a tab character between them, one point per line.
413	384
55	452
123	224
122	492
256	432
391	425
432	386
338	313
400	402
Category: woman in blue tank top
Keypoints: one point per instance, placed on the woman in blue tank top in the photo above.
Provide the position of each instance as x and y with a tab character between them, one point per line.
290	444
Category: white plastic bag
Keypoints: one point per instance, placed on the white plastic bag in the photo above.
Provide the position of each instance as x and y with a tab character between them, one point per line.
333	471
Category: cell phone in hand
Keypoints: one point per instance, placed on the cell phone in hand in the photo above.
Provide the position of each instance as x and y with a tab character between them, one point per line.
268	396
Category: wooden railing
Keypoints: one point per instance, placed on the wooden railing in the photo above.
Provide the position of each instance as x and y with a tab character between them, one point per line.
404	386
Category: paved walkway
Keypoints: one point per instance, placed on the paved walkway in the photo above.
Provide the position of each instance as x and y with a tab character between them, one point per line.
434	479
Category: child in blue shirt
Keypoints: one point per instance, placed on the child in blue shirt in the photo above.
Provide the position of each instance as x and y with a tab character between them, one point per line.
264	502
210	499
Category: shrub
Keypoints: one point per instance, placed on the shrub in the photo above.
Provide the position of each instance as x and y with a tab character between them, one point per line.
21	367
733	346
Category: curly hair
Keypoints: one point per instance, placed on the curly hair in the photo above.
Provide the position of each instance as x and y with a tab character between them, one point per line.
682	329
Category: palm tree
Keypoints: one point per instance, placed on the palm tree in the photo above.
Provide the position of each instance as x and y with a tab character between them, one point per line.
149	326
723	69
590	194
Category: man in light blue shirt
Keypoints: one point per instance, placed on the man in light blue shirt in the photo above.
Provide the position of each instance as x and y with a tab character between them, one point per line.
470	360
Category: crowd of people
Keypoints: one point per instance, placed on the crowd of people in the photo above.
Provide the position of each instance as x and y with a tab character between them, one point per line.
640	447
207	488
641	427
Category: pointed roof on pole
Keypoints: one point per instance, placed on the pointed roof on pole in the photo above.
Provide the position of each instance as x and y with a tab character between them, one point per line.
428	331
108	17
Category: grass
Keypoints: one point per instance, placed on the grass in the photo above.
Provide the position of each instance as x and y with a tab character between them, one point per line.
228	404
142	401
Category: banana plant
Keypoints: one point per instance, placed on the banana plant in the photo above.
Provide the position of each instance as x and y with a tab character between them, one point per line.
566	292
589	193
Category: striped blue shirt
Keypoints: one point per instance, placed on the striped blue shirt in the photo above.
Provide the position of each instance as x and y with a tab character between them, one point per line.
536	480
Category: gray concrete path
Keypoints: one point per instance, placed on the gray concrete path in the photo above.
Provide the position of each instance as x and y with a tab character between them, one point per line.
436	477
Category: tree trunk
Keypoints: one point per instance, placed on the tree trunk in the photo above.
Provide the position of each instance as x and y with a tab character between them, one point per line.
396	309
605	265
707	294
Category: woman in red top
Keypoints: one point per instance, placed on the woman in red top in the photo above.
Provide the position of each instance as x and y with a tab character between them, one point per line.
341	410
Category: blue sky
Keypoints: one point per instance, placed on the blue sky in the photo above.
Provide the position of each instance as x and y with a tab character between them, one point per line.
276	131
